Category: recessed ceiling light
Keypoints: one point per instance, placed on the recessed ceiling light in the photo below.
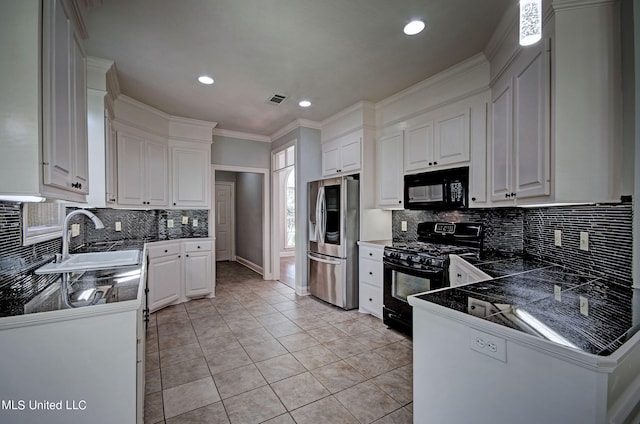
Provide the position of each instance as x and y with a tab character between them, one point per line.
304	103
413	27
205	80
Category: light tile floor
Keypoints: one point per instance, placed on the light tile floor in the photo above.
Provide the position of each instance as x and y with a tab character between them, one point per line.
259	353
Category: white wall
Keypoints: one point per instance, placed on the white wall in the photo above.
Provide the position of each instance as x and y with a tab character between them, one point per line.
249	225
240	152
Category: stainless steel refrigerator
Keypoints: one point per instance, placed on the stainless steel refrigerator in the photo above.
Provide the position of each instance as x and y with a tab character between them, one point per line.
334	226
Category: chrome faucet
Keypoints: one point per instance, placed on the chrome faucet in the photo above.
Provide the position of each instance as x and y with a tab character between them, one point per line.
66	234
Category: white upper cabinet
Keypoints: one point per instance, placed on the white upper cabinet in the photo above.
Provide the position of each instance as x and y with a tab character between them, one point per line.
520	139
43	109
437	140
555	132
342	155
142	171
190	174
390	181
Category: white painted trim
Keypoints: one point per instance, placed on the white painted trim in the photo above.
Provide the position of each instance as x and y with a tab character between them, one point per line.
266	208
212	214
250	265
138	104
579	4
307	123
241	135
349	110
192	122
457	69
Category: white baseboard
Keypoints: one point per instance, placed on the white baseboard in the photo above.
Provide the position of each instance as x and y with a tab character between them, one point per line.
287	253
250	265
303	291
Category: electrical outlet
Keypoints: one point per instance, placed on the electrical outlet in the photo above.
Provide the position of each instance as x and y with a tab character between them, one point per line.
584	240
169	223
557	237
195	222
403	225
557	292
75	230
584	306
487	344
185	220
118	226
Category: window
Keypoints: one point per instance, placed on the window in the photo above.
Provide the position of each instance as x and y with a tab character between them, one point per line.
41	222
290	211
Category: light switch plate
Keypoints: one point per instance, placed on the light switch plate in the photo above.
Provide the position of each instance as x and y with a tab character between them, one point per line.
170	223
118	226
403	225
557	237
557	292
185	220
75	230
195	222
584	240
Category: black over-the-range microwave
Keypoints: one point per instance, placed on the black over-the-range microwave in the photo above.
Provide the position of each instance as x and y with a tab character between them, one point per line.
443	189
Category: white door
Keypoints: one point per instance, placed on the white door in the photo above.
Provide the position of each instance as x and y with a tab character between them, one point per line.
224	220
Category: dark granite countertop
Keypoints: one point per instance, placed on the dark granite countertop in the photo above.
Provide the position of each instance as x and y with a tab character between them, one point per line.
544	300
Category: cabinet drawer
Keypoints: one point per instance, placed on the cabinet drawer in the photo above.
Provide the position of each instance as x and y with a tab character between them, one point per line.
371	299
371	272
164	250
198	246
371	253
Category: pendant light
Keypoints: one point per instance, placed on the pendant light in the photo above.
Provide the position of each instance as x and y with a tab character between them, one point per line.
530	22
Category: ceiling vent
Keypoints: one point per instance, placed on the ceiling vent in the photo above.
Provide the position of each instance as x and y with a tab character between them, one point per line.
276	99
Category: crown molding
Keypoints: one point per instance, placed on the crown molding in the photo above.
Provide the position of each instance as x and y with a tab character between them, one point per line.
307	123
579	4
192	122
362	105
456	69
241	135
75	9
138	104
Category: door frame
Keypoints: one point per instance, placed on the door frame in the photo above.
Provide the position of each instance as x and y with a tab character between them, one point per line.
232	244
267	266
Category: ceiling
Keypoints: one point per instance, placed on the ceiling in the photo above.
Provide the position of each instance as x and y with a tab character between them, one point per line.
334	53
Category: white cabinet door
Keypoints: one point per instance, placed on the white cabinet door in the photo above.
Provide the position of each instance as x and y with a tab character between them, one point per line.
190	174
156	174
350	158
164	281
389	172
331	158
79	118
131	153
111	162
198	273
452	143
418	147
501	141
530	124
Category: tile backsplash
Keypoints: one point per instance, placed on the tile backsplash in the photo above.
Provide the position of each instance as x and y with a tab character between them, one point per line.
530	231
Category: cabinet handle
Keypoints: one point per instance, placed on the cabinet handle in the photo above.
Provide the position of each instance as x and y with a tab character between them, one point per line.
174	203
513	195
473	199
370	273
370	254
507	195
198	247
459	275
430	163
370	300
165	251
399	201
435	163
187	256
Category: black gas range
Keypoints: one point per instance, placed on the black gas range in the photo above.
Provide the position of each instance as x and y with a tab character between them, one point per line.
422	265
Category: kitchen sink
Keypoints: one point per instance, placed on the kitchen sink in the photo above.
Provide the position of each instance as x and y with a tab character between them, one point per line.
92	261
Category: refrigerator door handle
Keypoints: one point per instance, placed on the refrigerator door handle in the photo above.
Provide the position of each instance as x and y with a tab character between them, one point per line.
324	261
321	219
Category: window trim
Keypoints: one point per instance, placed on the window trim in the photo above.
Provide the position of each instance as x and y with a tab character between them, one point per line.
38	234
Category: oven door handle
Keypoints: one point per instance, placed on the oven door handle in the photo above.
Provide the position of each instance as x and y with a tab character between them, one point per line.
324	261
410	270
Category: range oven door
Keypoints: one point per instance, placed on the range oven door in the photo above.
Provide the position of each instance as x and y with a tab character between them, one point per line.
400	282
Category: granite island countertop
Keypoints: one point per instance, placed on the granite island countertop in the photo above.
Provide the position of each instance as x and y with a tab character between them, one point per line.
592	314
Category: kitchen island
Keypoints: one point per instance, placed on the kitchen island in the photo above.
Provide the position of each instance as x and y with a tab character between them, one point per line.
66	360
540	343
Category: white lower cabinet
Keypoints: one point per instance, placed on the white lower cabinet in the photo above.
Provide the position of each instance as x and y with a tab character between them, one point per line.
462	272
371	277
178	271
164	275
198	266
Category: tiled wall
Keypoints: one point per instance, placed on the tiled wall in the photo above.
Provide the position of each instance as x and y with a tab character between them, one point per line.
503	230
531	231
610	238
17	262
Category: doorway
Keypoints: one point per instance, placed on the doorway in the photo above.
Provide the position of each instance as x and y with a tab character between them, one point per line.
224	224
284	214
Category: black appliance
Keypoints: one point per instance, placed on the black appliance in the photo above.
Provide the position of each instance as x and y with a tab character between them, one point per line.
422	265
444	189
